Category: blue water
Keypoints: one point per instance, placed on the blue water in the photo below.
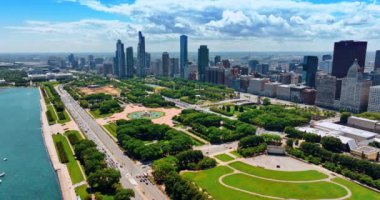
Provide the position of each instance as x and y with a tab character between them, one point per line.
29	173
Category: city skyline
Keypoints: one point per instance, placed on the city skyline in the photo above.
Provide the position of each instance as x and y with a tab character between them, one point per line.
93	26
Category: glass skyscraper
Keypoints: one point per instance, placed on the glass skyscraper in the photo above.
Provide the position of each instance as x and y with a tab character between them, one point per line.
141	56
183	56
345	53
130	62
310	68
203	61
119	62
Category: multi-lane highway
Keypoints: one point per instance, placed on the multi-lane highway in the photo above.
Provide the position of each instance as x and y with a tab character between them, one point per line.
129	169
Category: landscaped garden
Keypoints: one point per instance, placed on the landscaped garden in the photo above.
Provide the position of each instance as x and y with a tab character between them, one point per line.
146	115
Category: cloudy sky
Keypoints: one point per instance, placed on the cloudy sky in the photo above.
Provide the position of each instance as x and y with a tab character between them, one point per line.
223	25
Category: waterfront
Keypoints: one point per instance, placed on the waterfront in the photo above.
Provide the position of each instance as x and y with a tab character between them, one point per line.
29	173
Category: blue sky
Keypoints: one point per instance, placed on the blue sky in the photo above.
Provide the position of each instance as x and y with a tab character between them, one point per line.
224	25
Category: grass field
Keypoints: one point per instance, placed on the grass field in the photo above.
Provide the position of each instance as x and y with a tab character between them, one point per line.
111	128
96	114
208	180
82	191
316	190
358	192
235	153
279	175
72	165
53	114
224	157
74	132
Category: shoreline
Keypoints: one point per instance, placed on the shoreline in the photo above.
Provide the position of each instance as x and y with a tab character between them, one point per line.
64	180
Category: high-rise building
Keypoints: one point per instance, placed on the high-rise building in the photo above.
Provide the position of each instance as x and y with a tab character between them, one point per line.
147	60
71	58
215	75
217	60
377	61
374	99
253	65
141	56
326	91
165	64
326	57
325	66
174	67
183	56
345	52
119	61
130	62
203	61
310	67
355	90
263	69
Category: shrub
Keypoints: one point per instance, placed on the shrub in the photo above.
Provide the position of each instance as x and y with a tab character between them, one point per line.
61	116
61	152
73	138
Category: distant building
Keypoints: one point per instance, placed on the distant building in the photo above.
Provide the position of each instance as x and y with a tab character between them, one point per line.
256	85
309	96
141	56
119	63
374	99
296	93
263	68
377	61
107	69
130	62
326	66
215	75
253	65
345	52
174	67
203	61
270	89
226	63
147	60
217	60
310	67
283	92
355	90
285	78
183	56
326	57
165	64
326	90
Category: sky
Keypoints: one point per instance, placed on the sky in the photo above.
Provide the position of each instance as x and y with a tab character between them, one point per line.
223	25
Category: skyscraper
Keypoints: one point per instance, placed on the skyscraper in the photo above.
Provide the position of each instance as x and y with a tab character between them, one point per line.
183	56
310	67
174	67
345	52
119	62
203	61
141	56
147	60
217	60
130	62
165	64
377	60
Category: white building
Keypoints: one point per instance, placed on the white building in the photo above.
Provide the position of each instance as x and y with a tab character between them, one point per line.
374	99
354	133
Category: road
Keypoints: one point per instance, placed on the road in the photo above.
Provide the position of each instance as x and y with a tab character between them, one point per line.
115	156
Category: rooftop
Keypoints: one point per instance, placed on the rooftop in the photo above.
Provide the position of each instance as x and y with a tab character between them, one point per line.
345	129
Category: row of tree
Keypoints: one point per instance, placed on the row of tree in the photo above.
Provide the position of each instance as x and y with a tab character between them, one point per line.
213	127
255	144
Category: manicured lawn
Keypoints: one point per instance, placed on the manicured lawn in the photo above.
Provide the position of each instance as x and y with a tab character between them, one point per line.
111	128
67	118
279	175
52	111
224	157
74	132
97	114
72	165
316	190
208	180
82	191
235	153
358	192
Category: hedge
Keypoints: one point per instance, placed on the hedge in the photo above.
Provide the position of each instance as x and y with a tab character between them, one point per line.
61	115
49	116
73	138
61	152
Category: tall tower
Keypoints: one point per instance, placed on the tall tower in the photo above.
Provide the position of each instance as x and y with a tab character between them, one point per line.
183	56
130	62
165	64
119	65
377	60
141	56
345	53
203	61
310	67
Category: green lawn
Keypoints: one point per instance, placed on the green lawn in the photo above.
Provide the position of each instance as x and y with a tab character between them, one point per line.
316	190
82	191
224	157
111	128
96	114
235	153
53	114
358	192
74	132
208	180
279	175
72	165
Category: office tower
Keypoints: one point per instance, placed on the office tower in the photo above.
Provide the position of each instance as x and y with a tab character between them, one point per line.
147	60
215	75
325	66
345	52
374	99
217	60
82	62
253	65
263	68
377	61
183	56
130	62
326	91
355	90
71	58
310	67
326	57
119	61
141	57
107	69
165	64
226	63
174	67
203	61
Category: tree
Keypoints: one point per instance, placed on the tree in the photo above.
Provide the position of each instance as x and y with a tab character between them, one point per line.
332	144
161	168
290	142
124	194
104	180
250	141
266	102
206	163
228	108
344	117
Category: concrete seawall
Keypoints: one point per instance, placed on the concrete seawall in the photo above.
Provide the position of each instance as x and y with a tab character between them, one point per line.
67	189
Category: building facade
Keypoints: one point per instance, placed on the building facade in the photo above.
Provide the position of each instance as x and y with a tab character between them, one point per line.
326	90
183	57
141	56
310	67
203	61
130	62
119	65
374	99
165	64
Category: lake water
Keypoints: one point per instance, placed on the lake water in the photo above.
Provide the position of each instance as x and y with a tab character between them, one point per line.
29	173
